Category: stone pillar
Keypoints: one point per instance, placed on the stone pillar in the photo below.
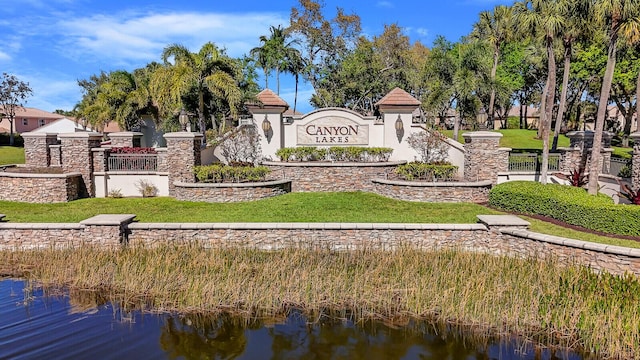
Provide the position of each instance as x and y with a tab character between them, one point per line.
578	154
36	148
183	153
56	155
483	156
125	139
78	157
100	158
635	165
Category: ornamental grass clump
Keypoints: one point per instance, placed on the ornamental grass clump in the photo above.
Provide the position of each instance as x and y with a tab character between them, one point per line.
542	301
220	173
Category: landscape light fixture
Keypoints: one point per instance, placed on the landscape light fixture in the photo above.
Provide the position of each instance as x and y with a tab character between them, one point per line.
399	124
183	118
266	125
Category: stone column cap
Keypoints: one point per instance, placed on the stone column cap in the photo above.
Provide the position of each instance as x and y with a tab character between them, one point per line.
38	135
109	219
635	135
125	134
80	135
502	221
182	135
482	135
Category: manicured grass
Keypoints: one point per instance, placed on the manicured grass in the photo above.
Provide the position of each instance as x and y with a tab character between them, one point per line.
11	155
544	227
293	207
519	139
549	302
622	152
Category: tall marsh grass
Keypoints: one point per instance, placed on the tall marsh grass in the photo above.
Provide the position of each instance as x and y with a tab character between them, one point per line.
541	301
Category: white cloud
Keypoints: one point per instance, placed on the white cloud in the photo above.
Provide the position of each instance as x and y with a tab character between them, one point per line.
142	37
51	91
4	56
422	32
385	4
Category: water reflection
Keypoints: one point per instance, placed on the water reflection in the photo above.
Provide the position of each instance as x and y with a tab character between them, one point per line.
83	324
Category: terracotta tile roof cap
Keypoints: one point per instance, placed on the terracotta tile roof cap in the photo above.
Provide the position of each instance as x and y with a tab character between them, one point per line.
398	96
269	98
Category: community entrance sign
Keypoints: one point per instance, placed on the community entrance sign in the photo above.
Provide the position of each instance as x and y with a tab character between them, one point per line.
332	131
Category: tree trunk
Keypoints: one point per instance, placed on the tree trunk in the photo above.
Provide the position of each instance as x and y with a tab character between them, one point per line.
295	98
563	96
550	97
201	121
456	127
526	117
638	102
11	139
278	81
492	98
596	156
542	110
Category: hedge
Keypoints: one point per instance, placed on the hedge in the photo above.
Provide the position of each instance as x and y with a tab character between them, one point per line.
427	172
335	153
218	173
569	204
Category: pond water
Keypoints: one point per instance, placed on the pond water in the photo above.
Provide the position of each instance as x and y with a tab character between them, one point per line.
38	326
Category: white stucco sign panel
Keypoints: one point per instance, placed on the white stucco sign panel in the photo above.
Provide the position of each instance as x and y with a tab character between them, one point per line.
332	131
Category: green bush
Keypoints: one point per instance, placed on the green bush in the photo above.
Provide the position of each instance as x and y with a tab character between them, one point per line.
219	173
427	172
568	204
17	139
336	153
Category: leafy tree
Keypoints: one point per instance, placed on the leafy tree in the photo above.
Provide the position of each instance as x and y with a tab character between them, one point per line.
324	44
496	28
620	18
13	95
546	19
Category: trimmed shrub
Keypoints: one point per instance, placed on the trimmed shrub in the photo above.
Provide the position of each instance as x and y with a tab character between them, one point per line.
219	173
335	153
569	204
427	172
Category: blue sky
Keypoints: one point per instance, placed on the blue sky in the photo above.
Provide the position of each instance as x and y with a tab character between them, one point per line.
53	43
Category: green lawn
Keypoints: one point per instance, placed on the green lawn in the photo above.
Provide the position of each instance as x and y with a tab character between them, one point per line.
519	139
293	207
11	155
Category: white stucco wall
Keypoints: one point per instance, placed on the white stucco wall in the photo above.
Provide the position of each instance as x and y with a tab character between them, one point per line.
126	183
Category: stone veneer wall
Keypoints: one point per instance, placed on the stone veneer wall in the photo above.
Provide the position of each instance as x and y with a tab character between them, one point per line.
233	192
40	188
484	159
36	148
78	157
477	192
101	230
339	236
125	139
183	153
325	177
635	166
56	155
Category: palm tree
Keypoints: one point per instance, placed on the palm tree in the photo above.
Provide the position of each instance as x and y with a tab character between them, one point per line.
495	28
620	18
207	71
262	55
545	18
295	65
575	27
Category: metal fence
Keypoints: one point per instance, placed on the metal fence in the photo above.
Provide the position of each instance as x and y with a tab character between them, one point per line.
531	162
132	162
616	165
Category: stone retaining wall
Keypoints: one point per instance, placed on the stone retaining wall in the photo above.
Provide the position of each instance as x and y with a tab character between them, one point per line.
40	188
230	192
477	192
503	239
328	177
